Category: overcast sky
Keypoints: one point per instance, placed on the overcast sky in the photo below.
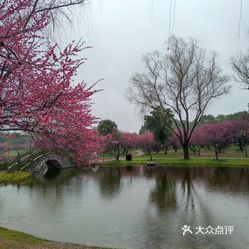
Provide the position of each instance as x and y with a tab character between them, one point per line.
120	32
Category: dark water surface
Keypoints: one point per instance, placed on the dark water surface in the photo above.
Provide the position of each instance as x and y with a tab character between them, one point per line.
133	207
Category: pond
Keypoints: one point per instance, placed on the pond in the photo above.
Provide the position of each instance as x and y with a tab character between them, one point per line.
134	207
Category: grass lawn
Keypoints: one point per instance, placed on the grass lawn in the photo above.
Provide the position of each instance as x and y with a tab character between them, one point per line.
16	240
232	159
14	178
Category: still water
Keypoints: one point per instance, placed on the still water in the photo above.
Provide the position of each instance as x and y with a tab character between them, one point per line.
133	207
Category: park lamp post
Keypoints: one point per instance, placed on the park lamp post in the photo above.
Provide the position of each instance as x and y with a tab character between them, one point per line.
245	147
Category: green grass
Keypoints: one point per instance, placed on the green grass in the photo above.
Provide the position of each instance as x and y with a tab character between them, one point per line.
105	156
165	160
14	178
10	239
231	157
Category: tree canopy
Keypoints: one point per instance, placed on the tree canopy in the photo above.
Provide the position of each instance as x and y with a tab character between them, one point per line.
37	93
106	127
160	123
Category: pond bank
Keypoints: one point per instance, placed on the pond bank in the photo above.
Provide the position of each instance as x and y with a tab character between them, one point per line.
10	239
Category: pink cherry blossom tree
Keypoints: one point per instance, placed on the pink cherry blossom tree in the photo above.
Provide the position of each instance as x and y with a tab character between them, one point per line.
219	136
148	144
119	143
174	141
197	141
111	144
129	141
38	94
240	134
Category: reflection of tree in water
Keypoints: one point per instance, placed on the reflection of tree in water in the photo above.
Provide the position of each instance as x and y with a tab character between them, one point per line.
188	189
55	189
49	197
194	206
109	182
63	178
224	179
163	195
176	190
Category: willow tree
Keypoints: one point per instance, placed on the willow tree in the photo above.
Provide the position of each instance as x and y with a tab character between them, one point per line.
184	79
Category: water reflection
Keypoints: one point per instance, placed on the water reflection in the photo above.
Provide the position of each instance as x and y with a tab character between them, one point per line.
132	207
163	195
109	182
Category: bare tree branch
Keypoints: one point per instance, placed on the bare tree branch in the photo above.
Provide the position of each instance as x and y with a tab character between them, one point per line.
240	65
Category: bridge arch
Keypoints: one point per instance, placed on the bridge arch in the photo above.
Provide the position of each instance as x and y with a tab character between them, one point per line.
51	165
53	168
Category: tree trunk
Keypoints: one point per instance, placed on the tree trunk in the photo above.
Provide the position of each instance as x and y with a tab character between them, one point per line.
199	152
150	154
241	146
216	153
165	148
185	147
118	153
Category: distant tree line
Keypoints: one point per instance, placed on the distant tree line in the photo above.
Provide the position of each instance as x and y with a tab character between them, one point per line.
211	119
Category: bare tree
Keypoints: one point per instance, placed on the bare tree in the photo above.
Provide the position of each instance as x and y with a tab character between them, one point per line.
240	65
184	79
56	8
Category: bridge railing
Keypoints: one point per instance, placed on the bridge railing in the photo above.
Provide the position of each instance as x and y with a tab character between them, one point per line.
24	160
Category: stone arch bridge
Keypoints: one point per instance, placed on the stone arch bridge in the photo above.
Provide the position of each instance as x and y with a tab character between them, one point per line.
38	162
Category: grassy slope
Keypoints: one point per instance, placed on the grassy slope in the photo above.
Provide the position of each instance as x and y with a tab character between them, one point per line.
15	240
